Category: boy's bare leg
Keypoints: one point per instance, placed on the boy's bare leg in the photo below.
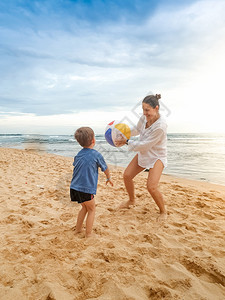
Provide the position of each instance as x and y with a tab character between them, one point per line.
80	218
152	185
131	171
90	207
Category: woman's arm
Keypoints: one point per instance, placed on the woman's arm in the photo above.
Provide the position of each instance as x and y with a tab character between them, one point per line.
136	130
153	138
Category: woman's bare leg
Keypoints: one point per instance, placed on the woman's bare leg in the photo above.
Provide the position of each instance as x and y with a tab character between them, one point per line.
131	171
152	186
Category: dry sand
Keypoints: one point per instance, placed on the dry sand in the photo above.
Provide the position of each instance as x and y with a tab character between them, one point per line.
130	257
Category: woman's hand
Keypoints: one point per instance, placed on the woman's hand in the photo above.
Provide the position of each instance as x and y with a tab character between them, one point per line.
120	141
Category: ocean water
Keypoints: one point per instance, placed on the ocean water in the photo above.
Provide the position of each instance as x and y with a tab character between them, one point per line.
192	156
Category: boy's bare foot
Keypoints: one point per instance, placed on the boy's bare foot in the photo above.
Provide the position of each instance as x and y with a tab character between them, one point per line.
126	204
162	217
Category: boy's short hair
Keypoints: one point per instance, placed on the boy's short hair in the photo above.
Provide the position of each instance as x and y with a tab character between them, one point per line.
84	136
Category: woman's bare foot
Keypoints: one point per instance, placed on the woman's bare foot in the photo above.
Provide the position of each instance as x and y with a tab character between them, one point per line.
126	204
162	217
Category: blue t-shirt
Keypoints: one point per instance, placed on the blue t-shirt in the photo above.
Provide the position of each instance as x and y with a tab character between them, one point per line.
85	172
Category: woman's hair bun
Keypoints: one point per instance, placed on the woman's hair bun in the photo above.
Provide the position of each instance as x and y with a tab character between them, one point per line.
158	96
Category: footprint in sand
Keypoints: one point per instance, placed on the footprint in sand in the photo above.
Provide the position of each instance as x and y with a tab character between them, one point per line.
199	268
66	216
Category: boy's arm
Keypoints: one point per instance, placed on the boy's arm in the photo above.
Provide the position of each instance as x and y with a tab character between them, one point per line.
108	178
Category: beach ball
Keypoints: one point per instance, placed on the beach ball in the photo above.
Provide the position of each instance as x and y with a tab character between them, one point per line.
115	130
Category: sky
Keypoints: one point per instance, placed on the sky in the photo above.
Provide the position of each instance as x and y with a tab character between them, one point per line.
66	64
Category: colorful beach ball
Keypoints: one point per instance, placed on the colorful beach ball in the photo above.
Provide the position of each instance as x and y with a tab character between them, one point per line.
115	130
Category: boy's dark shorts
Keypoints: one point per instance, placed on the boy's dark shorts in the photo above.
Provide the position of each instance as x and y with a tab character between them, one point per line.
80	197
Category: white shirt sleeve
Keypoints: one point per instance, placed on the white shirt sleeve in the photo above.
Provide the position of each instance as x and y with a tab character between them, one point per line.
153	138
136	130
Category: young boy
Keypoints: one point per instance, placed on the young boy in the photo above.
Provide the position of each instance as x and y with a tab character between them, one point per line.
83	185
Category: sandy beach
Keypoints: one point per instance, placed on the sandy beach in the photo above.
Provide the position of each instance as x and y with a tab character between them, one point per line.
130	256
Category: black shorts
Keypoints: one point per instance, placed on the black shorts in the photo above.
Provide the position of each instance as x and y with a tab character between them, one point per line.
80	197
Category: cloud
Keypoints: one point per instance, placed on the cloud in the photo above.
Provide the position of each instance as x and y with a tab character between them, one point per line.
59	57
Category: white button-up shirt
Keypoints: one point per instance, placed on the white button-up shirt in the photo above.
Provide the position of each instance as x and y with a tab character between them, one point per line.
152	143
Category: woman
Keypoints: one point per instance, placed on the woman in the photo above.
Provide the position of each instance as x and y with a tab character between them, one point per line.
152	153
